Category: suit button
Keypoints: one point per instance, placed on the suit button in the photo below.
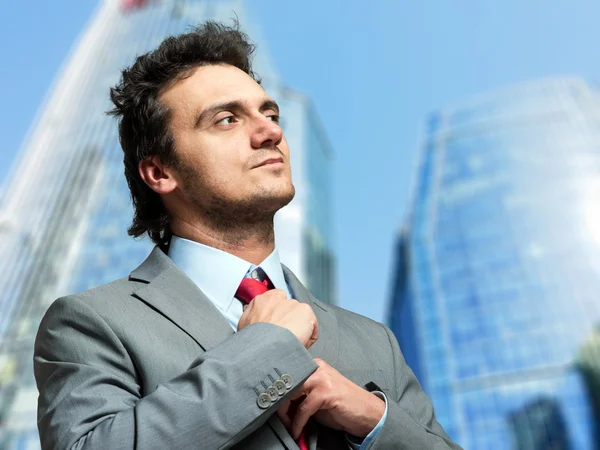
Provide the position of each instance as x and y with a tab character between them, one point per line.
263	401
280	386
272	393
287	379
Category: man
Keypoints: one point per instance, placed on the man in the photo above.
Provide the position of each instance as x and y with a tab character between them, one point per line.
182	354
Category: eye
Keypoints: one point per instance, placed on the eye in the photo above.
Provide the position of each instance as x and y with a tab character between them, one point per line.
227	120
274	117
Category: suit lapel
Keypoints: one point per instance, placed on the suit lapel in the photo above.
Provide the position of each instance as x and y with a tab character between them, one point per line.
327	345
169	291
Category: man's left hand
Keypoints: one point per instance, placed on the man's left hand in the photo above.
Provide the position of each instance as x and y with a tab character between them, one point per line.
333	401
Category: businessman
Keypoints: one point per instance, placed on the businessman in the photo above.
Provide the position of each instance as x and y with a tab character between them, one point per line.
212	343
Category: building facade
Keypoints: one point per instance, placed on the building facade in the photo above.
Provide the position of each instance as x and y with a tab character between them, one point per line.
65	208
498	266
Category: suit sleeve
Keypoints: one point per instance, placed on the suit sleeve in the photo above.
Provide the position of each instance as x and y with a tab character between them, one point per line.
90	396
410	423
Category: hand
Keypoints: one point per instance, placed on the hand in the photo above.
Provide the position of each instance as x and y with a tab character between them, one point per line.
274	307
333	401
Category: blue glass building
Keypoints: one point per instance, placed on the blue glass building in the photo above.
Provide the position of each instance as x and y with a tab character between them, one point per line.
497	277
65	207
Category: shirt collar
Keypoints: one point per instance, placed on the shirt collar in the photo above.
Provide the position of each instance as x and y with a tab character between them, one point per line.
218	273
272	267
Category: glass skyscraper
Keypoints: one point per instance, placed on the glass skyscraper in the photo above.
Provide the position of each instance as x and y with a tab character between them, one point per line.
65	207
497	278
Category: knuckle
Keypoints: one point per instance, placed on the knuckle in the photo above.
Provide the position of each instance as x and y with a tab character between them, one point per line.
277	294
318	376
306	309
303	408
329	385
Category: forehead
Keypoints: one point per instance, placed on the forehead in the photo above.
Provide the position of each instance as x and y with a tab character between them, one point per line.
209	85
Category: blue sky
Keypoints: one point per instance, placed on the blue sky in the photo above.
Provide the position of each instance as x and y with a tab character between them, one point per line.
373	69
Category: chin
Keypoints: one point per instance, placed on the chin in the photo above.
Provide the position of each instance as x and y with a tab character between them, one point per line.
276	198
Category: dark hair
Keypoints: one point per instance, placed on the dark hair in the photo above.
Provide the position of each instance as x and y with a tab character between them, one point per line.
143	124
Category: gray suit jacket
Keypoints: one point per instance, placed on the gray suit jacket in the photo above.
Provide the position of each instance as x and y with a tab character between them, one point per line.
148	362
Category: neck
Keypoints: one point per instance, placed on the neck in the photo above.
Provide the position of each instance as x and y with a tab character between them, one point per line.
252	242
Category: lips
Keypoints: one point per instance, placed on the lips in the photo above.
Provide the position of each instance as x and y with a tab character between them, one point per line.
269	161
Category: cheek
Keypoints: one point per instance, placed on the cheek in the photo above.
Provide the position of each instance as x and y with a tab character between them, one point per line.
224	171
283	146
210	158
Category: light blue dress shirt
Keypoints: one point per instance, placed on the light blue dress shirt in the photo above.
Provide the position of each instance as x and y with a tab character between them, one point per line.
218	275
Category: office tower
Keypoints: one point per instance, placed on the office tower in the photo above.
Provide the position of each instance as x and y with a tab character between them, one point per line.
65	208
498	265
588	363
539	425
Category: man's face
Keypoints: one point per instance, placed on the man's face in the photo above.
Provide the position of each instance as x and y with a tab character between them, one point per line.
233	157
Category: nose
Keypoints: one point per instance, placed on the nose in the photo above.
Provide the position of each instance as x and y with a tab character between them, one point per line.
266	133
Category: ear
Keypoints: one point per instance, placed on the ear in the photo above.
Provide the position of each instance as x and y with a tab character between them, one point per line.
158	177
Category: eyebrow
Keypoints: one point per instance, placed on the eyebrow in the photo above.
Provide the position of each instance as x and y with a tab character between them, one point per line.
234	105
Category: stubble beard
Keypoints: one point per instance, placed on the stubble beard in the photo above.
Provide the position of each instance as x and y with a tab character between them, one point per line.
237	221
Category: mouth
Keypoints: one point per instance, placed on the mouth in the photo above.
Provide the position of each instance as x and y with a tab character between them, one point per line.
269	162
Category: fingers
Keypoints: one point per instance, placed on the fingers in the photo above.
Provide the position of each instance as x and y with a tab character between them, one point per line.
243	322
298	394
273	294
309	406
314	336
307	312
283	414
274	307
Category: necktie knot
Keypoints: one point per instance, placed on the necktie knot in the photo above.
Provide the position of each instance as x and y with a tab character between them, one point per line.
255	283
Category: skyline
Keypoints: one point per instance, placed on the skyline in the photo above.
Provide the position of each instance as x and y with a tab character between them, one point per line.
498	268
66	213
375	94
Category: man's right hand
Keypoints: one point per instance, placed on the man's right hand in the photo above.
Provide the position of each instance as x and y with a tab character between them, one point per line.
274	307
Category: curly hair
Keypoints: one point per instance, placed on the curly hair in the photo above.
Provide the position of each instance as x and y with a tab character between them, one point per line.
143	120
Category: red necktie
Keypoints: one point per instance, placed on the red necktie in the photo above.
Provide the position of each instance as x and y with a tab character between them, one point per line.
250	288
